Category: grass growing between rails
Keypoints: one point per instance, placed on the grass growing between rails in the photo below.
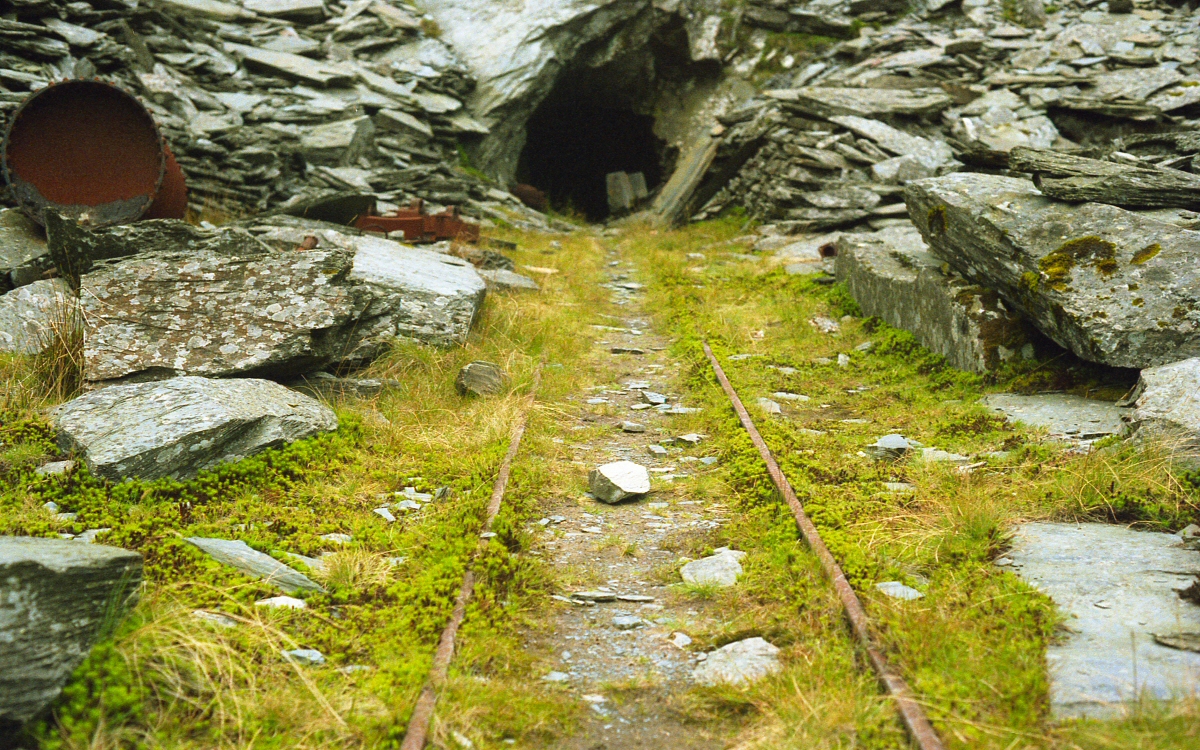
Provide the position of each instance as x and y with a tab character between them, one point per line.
169	678
973	648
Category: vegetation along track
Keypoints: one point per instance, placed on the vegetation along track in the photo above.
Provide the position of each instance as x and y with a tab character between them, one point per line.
972	650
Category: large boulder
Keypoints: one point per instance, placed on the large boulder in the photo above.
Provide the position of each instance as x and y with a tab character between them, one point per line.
56	599
30	315
891	274
205	312
177	427
1112	286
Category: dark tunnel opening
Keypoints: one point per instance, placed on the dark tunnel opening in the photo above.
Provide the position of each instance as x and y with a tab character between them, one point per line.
572	144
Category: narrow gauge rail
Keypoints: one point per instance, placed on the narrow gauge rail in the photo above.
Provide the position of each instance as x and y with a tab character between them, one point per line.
422	715
915	720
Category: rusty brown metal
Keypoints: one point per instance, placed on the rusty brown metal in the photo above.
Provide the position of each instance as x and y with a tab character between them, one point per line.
422	715
85	149
171	200
913	716
419	226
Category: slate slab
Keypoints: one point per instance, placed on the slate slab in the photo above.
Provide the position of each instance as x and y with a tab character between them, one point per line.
1112	286
1062	414
238	554
617	481
739	663
177	427
720	569
891	274
29	314
56	596
1117	588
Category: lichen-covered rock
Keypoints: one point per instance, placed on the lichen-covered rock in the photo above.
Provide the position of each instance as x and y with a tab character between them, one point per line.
201	312
55	597
1110	285
891	274
177	427
416	294
29	315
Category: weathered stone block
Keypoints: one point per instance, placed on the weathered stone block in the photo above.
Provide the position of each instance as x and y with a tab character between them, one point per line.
1110	285
891	274
56	598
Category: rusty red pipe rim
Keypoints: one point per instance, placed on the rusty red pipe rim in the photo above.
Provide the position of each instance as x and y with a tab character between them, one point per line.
86	149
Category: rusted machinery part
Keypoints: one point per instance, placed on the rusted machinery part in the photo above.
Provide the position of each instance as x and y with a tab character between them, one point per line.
418	226
171	200
85	149
911	712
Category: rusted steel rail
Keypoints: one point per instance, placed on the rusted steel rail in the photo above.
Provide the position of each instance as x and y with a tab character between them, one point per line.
915	720
422	715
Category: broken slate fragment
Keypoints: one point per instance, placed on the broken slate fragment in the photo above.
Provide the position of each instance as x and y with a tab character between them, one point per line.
1167	401
770	407
614	482
898	590
481	378
720	569
309	657
238	554
282	602
739	663
890	447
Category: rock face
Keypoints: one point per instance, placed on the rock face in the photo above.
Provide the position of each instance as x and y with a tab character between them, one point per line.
891	274
739	663
58	596
177	427
518	51
1167	401
29	314
1110	285
612	483
238	554
1119	588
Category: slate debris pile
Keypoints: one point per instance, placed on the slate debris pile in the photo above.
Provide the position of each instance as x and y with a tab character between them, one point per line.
263	100
954	86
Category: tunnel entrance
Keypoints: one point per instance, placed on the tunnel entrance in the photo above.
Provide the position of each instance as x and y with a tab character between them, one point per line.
572	144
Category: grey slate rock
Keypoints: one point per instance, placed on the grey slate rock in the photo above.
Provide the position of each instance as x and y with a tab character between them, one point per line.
23	251
722	569
207	312
617	481
481	379
58	598
504	280
890	447
178	427
891	274
897	590
1167	405
739	663
29	314
1063	415
238	554
1108	284
1118	588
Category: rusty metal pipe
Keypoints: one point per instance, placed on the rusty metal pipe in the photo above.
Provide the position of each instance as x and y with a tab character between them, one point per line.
89	151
